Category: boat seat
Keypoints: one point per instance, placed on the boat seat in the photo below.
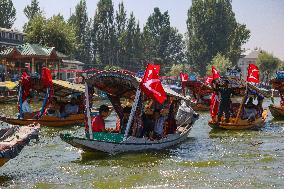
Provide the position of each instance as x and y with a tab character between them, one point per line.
108	137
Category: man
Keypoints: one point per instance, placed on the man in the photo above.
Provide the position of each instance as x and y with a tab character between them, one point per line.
98	123
26	108
71	108
225	101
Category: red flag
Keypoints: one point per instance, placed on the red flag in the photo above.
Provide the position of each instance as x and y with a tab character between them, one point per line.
46	77
215	73
214	105
151	84
183	77
26	85
253	73
209	80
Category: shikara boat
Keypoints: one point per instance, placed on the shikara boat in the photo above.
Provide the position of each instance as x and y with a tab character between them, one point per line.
13	140
238	121
277	111
119	85
62	90
198	92
8	91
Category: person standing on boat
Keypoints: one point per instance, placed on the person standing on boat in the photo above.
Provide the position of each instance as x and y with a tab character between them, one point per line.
225	100
98	123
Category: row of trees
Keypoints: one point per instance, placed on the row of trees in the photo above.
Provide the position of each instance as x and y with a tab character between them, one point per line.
114	38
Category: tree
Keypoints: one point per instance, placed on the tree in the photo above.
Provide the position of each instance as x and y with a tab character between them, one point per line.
267	62
79	20
120	27
212	29
32	10
156	35
103	34
52	32
176	69
221	63
7	13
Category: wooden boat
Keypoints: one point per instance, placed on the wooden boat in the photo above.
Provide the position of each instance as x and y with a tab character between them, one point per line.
13	139
119	85
237	122
198	92
277	111
62	91
8	91
48	121
240	124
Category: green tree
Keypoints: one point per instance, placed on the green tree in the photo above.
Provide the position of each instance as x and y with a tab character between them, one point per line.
156	35
79	20
7	13
132	48
32	10
212	28
103	33
175	70
52	32
267	62
35	30
120	29
221	63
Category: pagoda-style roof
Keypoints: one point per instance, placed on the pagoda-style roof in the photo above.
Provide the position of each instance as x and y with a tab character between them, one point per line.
28	50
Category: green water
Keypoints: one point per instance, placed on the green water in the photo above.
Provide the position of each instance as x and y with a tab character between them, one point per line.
207	159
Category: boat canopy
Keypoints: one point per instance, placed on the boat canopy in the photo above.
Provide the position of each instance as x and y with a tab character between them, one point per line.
198	87
8	85
121	84
61	88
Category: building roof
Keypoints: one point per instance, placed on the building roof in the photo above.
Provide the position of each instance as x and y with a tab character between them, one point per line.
253	54
12	31
72	62
28	50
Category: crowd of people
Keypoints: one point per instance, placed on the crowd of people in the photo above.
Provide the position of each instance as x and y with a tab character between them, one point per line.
152	120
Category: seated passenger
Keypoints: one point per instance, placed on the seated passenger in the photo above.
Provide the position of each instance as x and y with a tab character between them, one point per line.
71	108
98	123
250	110
80	103
26	108
123	122
159	123
53	108
148	123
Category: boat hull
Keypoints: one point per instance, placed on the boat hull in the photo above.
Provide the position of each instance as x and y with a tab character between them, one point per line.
131	144
234	124
13	140
48	121
277	111
6	99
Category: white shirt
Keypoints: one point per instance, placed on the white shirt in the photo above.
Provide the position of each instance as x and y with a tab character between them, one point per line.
26	107
159	125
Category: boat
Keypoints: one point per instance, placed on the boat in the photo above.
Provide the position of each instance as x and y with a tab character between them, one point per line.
13	139
8	91
277	111
237	121
119	85
62	90
200	94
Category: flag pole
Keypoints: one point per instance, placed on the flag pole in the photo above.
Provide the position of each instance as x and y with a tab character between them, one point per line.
87	101
133	110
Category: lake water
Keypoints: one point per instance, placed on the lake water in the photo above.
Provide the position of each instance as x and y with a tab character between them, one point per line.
207	159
